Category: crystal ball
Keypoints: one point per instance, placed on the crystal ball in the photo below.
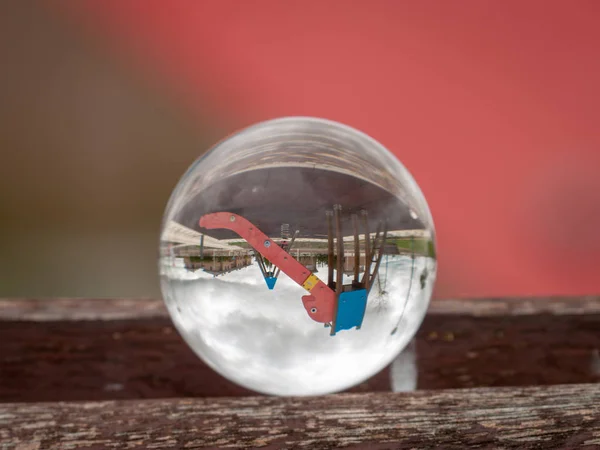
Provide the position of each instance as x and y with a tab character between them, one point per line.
297	257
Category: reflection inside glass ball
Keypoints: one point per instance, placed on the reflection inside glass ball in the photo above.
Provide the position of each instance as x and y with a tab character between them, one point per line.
297	257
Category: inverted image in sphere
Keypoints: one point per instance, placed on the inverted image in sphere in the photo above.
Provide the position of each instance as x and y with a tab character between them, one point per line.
297	257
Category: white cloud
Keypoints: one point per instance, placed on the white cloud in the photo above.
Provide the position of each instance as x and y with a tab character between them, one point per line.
266	341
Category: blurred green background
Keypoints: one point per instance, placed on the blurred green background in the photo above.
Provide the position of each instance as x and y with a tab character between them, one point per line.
90	153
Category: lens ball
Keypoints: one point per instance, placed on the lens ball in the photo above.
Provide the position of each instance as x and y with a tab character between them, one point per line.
297	257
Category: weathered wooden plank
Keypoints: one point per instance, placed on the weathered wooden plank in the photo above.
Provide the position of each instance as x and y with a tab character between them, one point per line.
146	358
534	417
77	309
516	306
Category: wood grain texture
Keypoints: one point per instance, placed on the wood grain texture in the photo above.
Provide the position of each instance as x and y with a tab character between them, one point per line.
77	309
80	309
146	358
535	417
523	306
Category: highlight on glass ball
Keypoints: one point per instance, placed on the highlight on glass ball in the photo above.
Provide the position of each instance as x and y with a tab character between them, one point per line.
297	257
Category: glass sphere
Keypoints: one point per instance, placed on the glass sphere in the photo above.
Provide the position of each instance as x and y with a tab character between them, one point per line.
297	257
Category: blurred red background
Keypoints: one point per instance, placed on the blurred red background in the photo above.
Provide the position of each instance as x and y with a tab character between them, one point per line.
492	106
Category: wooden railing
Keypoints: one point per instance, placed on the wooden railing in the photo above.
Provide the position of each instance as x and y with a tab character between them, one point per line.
518	373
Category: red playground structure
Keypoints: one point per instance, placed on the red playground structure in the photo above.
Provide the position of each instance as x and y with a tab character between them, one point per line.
338	306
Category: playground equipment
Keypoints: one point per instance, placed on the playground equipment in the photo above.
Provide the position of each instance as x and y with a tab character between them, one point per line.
271	276
338	306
